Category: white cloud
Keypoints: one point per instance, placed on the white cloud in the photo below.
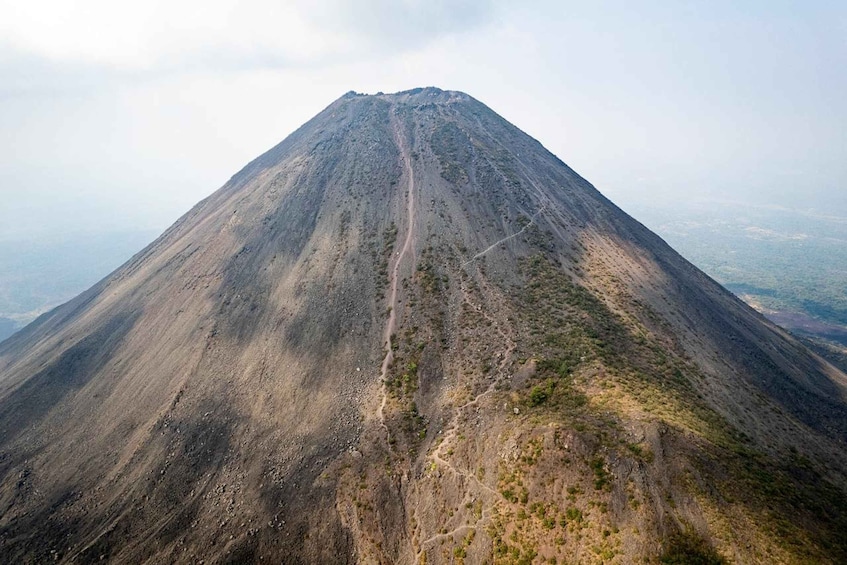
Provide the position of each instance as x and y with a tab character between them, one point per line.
157	34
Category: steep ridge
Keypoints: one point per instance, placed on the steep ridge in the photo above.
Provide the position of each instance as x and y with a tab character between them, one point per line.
410	334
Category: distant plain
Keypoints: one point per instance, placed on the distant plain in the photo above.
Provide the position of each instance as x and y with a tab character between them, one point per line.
790	264
40	273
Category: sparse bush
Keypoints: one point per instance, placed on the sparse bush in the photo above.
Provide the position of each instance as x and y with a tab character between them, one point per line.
537	396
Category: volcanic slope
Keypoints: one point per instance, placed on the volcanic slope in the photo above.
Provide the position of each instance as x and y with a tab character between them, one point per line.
410	334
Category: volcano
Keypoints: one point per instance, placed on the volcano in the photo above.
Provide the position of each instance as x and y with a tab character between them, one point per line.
410	334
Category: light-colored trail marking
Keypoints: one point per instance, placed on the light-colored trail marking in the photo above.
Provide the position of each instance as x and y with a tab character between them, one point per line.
395	271
505	239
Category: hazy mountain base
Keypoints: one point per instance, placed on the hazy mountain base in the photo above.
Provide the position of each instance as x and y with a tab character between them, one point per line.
785	262
7	328
39	273
563	385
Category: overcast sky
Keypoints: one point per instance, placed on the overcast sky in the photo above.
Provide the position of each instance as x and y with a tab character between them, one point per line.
123	116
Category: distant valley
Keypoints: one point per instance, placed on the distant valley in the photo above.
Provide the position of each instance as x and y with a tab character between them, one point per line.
790	265
40	273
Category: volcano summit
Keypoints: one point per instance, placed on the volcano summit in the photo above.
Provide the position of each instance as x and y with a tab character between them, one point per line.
410	334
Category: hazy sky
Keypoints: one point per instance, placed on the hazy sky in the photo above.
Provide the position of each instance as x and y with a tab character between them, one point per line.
116	115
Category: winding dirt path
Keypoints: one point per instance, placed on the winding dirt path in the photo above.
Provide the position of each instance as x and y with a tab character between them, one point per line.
394	276
505	239
452	431
469	477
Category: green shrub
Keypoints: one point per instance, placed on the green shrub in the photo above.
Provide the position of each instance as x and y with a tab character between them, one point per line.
537	396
